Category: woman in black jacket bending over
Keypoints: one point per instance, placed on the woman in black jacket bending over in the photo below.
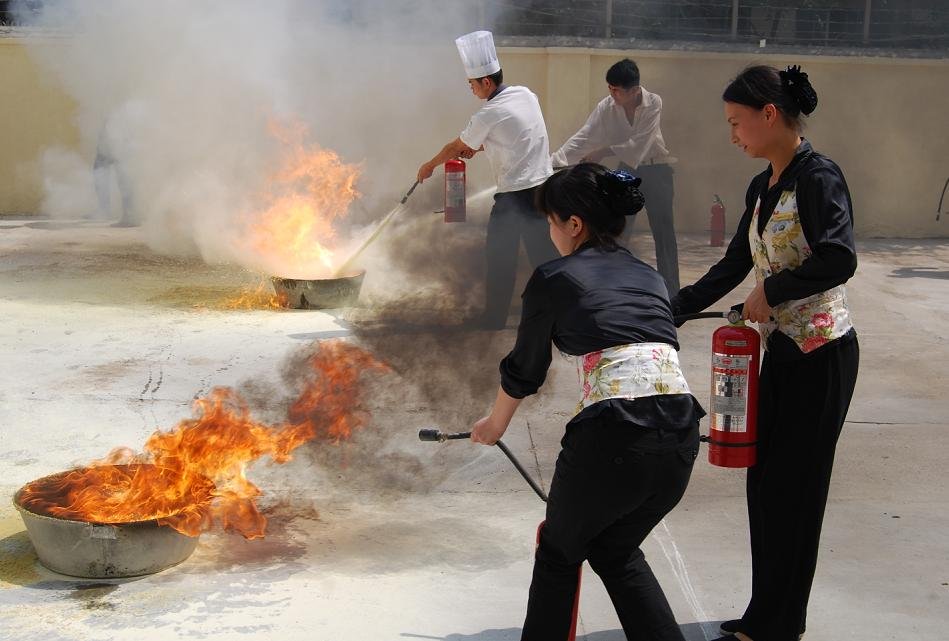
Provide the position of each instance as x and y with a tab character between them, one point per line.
797	236
628	452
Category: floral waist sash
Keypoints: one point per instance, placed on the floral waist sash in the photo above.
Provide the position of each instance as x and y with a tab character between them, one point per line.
811	321
629	372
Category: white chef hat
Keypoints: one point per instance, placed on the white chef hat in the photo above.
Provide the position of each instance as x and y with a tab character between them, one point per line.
478	54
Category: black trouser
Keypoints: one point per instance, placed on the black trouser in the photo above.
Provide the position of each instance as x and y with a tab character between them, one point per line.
513	218
612	484
801	410
658	191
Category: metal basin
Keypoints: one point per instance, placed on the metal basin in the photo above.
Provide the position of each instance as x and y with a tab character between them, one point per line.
321	293
103	550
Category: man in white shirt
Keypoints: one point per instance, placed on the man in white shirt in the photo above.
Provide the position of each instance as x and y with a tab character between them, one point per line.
510	129
625	124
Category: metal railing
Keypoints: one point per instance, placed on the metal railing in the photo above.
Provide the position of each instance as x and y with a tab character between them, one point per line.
811	23
859	24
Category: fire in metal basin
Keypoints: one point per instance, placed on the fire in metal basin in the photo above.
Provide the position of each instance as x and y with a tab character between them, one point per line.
69	544
321	293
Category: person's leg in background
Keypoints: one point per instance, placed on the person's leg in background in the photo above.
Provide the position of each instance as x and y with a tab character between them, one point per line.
102	178
657	188
535	231
129	215
658	191
501	247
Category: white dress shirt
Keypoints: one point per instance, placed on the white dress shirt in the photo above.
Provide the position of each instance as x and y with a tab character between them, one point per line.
636	143
511	127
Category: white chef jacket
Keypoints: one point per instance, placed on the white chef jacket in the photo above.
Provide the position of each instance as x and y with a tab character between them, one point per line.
634	144
511	127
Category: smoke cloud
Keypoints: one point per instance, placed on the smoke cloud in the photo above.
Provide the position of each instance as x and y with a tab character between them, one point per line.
181	99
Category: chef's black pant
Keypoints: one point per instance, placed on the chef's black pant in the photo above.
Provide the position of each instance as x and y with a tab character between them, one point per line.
612	484
802	408
513	218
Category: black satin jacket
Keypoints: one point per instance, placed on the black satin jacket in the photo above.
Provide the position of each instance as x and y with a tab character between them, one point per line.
826	214
593	299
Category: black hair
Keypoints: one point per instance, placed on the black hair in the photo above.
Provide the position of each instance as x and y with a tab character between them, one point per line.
790	91
497	77
601	198
623	74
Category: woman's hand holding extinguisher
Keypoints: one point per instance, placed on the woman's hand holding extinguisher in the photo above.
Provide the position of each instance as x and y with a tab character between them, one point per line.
756	307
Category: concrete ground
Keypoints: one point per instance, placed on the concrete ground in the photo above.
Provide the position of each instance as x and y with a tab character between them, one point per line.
388	539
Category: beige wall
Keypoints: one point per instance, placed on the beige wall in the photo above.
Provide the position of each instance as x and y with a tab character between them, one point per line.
34	114
883	120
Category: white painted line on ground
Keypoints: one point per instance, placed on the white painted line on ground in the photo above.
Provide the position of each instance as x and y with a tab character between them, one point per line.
663	537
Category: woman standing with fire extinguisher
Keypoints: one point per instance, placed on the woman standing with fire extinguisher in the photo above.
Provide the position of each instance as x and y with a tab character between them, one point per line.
797	236
628	452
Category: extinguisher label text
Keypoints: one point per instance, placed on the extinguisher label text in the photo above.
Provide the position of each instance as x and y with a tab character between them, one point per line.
729	393
455	192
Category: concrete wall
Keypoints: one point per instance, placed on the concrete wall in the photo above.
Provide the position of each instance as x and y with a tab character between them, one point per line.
883	120
34	115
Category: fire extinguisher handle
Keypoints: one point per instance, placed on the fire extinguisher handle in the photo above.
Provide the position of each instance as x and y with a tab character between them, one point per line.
683	318
733	315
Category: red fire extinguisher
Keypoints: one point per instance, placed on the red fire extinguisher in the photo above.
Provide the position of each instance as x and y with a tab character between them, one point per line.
455	191
733	429
717	223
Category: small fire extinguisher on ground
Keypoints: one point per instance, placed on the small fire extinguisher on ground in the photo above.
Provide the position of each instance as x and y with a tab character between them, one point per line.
733	429
717	223
455	191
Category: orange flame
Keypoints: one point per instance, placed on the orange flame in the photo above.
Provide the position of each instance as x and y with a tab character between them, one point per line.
293	232
262	296
194	475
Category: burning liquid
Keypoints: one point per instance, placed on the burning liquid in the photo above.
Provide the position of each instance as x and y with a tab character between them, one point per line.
292	232
122	494
193	476
262	296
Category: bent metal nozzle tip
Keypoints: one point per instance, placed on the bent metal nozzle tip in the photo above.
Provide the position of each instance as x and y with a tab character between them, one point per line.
409	192
429	435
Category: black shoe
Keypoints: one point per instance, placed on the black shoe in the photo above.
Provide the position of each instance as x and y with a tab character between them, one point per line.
730	627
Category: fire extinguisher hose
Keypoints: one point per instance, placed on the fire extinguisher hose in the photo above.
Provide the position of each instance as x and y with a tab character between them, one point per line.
733	316
341	270
436	435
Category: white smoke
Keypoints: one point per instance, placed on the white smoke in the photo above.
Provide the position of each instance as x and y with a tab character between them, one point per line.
181	95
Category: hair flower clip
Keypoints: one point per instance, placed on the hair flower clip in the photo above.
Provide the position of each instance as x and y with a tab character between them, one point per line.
626	179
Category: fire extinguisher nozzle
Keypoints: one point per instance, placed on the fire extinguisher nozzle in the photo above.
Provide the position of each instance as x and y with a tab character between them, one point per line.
409	192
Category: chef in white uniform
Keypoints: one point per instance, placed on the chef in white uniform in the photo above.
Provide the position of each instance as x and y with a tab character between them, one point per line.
510	129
